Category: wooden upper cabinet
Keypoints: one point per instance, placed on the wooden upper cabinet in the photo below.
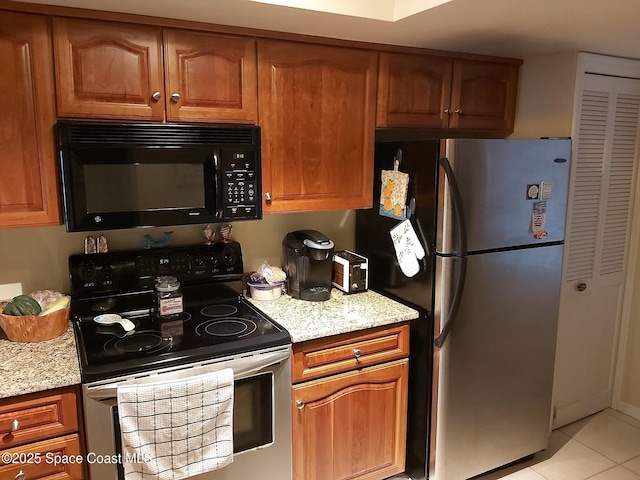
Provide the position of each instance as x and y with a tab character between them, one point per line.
413	90
317	114
108	70
484	95
115	70
210	77
28	196
445	93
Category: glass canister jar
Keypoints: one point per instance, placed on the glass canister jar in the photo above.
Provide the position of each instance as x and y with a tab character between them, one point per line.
168	300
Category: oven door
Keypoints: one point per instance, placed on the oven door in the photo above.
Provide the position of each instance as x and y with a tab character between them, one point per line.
262	399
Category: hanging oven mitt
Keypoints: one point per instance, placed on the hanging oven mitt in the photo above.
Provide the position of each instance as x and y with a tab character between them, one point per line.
408	248
393	195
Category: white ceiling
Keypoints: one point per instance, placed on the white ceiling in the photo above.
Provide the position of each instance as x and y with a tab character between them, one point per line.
516	28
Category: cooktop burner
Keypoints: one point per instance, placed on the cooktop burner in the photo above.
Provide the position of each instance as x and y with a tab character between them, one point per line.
227	327
216	320
147	341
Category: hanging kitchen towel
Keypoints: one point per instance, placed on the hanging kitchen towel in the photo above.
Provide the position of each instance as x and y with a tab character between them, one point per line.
177	429
393	195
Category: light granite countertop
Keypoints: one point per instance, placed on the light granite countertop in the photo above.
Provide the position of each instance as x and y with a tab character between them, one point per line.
39	366
340	314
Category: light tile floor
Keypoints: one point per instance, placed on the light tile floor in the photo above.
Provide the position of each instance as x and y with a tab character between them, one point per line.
604	446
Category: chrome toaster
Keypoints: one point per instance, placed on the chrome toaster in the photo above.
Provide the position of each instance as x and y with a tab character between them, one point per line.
350	272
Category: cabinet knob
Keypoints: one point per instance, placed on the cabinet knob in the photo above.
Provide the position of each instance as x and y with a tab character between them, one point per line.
447	111
299	404
156	96
357	352
267	197
581	287
175	97
20	475
458	111
15	425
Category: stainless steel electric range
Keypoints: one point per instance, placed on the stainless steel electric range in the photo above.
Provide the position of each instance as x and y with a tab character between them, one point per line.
217	329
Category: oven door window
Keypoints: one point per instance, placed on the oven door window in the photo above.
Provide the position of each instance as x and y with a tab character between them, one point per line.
253	412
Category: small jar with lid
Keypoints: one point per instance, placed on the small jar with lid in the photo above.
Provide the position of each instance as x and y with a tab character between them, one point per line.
168	300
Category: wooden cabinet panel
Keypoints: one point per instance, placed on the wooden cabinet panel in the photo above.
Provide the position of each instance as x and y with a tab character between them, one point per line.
351	425
317	114
29	193
484	95
112	70
413	91
44	460
38	416
319	358
445	93
210	77
108	70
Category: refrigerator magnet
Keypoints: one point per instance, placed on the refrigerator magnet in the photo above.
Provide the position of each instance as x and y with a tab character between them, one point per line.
538	219
393	194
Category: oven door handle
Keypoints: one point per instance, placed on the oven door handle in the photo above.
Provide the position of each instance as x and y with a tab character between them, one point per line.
242	367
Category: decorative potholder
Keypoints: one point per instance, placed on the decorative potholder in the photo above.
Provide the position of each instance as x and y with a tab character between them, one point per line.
393	195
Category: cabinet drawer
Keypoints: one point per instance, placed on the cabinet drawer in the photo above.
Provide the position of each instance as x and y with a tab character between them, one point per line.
37	416
38	460
321	357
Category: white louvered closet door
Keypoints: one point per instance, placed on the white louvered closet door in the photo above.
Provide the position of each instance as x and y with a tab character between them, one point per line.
605	151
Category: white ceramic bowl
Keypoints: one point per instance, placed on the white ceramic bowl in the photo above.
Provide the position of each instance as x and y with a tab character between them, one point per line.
265	291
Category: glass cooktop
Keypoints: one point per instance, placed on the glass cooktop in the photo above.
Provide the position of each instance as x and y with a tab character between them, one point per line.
206	329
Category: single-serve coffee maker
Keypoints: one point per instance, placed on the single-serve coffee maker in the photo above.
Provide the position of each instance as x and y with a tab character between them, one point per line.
308	262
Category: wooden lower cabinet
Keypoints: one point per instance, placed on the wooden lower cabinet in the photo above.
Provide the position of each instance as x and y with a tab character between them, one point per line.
58	458
351	425
39	436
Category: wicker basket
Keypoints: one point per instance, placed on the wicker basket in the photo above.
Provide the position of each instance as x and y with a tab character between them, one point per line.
32	328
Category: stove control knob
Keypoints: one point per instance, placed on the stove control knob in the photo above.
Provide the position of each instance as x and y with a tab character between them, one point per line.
215	262
87	271
199	261
229	258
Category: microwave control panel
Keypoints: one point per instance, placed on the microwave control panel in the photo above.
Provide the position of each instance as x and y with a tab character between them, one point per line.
241	197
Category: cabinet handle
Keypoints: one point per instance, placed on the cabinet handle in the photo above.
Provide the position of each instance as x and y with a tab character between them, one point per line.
581	287
175	97
20	475
156	96
15	425
458	111
357	352
299	404
447	111
267	197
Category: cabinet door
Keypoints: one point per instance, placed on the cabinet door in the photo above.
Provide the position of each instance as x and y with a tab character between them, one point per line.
210	77
317	113
351	425
29	193
483	95
108	70
413	91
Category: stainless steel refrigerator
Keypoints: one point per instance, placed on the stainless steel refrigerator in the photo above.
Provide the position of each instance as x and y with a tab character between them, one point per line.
490	215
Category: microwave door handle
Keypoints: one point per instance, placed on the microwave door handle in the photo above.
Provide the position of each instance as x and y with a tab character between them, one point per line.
456	200
219	183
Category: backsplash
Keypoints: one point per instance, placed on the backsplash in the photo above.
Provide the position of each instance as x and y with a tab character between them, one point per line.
37	257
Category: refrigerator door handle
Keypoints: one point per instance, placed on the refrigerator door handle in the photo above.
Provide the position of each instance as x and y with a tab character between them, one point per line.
456	200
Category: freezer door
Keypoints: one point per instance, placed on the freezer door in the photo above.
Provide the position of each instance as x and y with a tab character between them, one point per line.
495	370
505	186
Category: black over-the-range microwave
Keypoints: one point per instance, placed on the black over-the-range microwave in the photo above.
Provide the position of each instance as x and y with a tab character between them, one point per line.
125	175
